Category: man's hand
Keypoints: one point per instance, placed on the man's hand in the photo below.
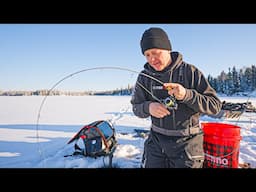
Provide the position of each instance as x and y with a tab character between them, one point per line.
158	110
175	89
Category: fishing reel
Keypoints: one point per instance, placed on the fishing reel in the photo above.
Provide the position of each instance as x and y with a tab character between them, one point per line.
170	102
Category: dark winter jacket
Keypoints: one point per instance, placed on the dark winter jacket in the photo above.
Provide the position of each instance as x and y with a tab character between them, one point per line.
200	97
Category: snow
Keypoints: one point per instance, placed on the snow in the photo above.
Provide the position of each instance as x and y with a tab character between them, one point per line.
30	138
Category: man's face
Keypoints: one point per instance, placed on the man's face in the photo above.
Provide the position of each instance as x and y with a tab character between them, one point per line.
158	58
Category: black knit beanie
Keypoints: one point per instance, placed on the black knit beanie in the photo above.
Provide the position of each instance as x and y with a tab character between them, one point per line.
155	38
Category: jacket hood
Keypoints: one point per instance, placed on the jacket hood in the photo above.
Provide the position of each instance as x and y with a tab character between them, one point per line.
176	61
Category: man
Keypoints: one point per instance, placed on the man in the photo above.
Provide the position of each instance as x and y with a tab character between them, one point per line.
175	139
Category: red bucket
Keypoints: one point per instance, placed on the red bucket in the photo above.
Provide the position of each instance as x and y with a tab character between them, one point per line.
221	145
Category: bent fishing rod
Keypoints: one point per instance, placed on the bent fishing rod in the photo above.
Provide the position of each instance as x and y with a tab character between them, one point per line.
167	102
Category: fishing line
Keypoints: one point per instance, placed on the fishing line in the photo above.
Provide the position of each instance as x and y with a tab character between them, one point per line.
84	70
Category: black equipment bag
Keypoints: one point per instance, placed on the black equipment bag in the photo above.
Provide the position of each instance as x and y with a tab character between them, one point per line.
99	140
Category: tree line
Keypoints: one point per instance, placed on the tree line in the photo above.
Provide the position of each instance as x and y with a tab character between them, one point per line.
118	91
235	80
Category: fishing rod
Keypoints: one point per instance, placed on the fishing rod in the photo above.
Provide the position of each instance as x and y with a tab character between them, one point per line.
100	68
169	102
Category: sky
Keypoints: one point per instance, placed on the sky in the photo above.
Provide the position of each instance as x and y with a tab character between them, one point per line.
30	138
36	56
